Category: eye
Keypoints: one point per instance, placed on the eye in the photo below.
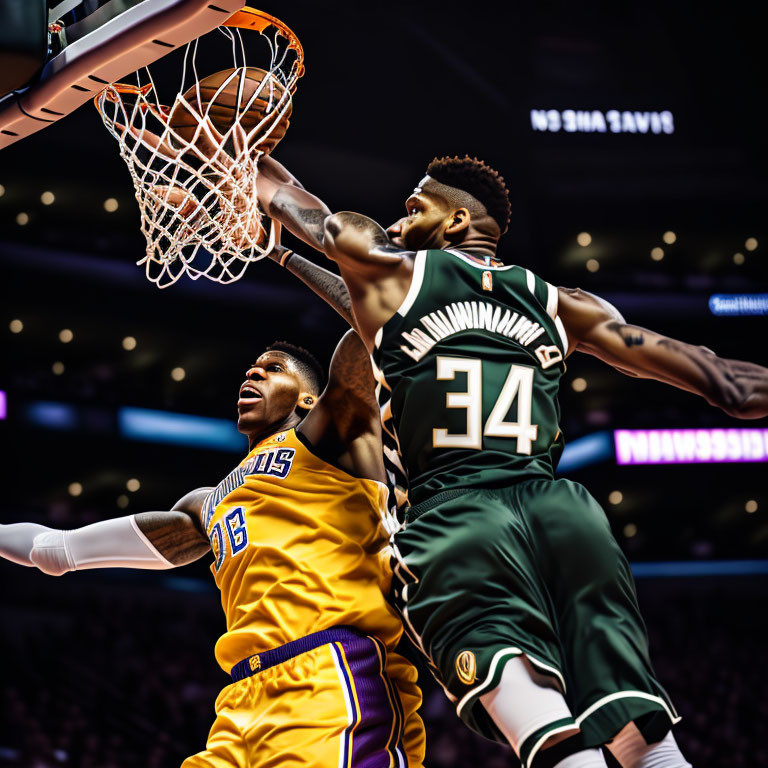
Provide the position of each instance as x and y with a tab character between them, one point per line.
274	367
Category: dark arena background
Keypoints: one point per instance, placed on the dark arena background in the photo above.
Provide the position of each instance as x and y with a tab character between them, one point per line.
632	138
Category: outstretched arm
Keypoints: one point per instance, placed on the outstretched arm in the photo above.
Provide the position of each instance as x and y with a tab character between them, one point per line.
354	240
596	327
150	540
327	285
284	199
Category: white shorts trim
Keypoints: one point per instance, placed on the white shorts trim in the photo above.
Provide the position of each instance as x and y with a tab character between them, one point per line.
495	662
673	716
345	745
478	689
512	652
540	743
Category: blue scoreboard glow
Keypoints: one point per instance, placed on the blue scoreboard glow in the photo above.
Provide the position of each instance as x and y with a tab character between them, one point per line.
738	304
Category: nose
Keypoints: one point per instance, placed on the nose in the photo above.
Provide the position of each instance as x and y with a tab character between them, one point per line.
256	373
396	229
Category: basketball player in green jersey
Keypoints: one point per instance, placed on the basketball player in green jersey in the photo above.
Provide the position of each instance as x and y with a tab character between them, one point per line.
509	580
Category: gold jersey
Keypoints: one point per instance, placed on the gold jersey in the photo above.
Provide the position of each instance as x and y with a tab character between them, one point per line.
296	544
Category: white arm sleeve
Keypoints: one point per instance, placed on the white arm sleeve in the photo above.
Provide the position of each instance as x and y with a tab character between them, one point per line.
17	540
116	543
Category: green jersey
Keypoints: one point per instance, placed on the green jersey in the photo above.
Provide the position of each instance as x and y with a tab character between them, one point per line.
468	371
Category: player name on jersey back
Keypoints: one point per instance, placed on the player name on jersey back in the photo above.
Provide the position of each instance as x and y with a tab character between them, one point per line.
483	316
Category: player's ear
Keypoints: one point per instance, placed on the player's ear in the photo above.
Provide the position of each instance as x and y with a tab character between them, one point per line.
457	222
307	401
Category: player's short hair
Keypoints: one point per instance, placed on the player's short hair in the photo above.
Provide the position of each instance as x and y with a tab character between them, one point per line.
308	365
478	179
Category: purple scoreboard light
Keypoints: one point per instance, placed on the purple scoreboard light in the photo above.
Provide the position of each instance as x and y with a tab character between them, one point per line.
690	446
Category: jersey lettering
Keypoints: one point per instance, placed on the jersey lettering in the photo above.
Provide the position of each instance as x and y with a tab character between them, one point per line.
276	462
469	315
236	530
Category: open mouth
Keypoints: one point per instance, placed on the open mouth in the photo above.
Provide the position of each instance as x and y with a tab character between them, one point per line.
249	394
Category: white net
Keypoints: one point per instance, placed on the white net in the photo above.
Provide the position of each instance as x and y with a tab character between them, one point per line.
194	164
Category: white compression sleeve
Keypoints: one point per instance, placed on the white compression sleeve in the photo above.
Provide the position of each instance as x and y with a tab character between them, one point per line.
116	543
524	702
17	540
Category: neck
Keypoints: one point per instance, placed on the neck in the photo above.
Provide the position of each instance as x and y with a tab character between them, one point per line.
475	243
287	423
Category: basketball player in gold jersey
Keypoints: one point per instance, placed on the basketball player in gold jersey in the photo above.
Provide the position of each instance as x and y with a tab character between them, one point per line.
297	531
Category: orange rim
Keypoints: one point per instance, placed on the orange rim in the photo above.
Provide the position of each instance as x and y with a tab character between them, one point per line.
245	18
251	18
160	110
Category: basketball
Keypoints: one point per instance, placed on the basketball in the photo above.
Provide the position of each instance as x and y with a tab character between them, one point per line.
224	108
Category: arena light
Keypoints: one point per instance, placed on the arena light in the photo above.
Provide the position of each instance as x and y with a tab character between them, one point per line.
3	405
738	304
52	415
179	429
690	446
598	121
586	450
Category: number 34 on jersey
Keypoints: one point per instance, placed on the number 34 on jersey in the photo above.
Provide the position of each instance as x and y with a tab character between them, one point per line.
517	390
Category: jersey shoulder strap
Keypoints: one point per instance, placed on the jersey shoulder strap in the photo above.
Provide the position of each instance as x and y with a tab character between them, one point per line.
545	293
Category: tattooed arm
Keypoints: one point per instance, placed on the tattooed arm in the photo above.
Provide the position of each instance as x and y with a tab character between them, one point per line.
285	200
347	237
327	285
344	426
597	328
178	535
151	540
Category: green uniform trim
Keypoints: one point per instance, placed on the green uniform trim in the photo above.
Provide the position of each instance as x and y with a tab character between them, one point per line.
533	743
530	569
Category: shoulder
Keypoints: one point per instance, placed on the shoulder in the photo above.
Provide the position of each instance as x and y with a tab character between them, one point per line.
579	301
192	502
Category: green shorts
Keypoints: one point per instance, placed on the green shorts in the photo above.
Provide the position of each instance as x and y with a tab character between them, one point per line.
484	575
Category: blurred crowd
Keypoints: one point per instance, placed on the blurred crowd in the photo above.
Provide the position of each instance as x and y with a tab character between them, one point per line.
111	675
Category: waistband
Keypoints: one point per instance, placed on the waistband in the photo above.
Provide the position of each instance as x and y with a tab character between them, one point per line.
424	506
261	661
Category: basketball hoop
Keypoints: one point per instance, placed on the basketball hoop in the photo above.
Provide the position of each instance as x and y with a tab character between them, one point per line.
194	163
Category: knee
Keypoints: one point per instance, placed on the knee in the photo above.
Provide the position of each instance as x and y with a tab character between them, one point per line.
631	750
